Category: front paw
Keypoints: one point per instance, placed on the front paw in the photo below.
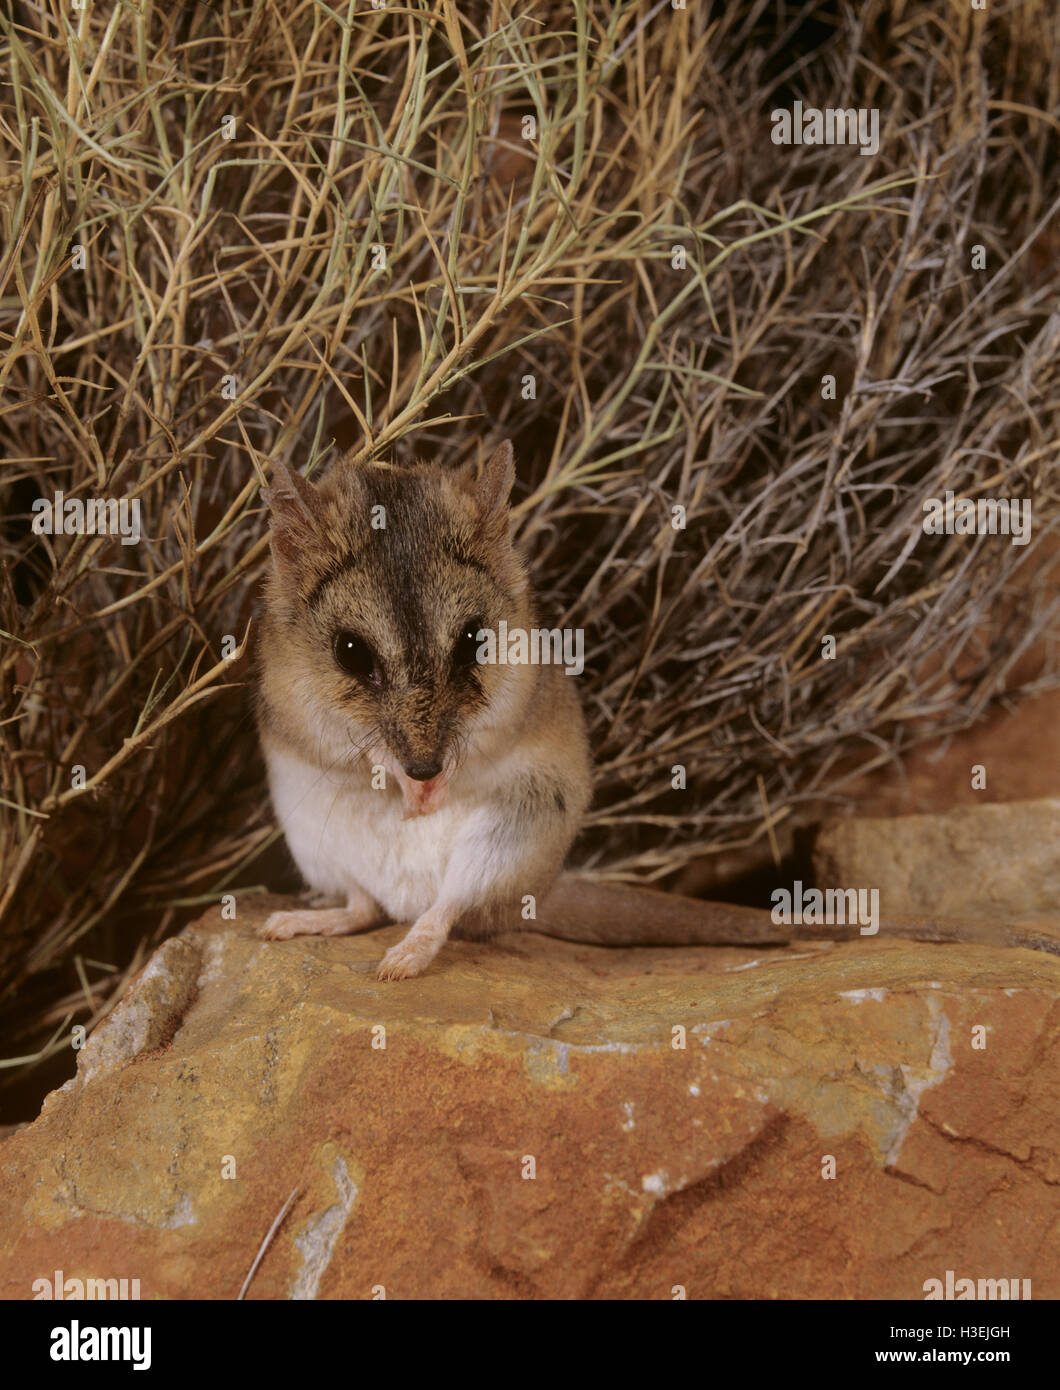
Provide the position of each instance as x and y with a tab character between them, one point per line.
281	926
407	959
340	921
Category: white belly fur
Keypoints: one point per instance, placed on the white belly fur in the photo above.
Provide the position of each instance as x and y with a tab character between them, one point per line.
345	837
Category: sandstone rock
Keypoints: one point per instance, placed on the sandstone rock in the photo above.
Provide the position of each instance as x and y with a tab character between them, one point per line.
975	862
654	1165
1019	748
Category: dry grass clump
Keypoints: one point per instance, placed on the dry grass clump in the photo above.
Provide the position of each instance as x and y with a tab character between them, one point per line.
231	304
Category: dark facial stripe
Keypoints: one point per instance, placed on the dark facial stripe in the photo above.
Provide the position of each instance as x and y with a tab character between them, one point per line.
334	571
456	552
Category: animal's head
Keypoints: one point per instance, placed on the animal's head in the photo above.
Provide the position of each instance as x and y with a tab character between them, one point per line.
382	581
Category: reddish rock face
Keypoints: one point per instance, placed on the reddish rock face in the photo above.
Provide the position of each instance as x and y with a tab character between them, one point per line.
1010	755
530	1128
1018	751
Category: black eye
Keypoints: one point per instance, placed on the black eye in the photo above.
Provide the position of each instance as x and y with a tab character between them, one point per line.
356	657
465	651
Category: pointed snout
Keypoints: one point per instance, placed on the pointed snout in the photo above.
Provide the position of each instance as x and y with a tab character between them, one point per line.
423	769
417	730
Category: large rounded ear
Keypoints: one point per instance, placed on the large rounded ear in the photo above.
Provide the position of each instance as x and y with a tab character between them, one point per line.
493	489
295	514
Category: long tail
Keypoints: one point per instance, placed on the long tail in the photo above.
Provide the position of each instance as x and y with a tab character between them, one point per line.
609	914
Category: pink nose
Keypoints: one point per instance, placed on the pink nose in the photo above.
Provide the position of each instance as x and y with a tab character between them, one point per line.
424	798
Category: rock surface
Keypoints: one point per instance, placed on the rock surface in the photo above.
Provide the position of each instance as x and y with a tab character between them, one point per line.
654	1165
976	862
1018	750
